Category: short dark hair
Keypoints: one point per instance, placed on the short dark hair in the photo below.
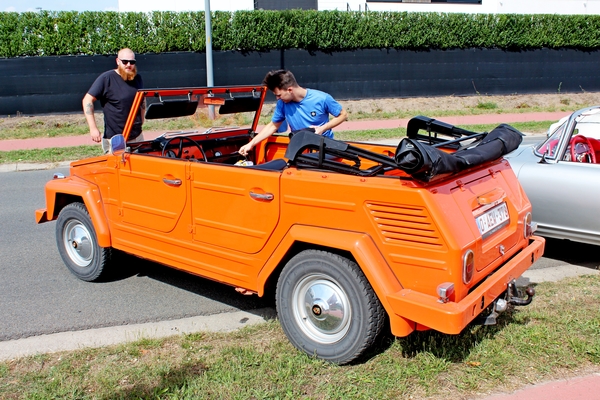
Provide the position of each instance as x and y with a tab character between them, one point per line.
280	79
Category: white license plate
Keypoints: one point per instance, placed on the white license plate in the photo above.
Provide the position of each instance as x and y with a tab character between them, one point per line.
492	219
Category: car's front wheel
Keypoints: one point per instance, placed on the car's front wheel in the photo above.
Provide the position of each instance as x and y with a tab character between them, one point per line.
327	307
78	245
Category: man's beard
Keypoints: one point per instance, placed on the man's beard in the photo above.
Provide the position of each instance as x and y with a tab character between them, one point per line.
125	74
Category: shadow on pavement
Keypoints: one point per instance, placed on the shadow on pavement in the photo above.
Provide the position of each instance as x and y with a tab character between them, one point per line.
581	254
128	266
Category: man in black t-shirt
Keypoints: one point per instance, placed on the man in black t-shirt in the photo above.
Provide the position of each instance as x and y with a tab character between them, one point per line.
115	89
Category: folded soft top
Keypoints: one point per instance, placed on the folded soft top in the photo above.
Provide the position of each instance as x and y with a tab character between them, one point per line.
418	155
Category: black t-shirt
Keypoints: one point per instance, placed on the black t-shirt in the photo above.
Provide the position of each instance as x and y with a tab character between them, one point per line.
116	97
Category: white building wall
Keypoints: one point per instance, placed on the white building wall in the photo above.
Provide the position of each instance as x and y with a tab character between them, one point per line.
549	6
184	5
487	6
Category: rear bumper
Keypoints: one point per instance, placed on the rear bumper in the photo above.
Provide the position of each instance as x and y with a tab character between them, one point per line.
451	318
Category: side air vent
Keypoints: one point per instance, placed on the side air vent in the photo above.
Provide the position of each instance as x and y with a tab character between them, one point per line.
405	225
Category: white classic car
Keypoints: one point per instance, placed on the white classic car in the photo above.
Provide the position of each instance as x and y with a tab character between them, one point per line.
561	177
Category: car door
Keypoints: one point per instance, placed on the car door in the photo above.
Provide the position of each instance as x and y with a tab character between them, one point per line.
234	207
564	196
153	191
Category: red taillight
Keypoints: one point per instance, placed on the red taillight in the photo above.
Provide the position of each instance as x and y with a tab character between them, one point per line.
468	266
529	226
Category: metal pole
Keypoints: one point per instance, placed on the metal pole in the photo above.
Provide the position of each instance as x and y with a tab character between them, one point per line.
209	61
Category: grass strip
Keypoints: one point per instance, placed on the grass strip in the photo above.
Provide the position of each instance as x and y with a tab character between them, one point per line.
49	155
557	336
32	127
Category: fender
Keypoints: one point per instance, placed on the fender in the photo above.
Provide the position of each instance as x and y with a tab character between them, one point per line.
89	193
365	252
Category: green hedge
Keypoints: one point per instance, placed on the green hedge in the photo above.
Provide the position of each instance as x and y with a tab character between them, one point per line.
48	33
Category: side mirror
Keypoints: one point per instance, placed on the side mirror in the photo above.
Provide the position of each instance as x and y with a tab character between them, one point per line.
117	144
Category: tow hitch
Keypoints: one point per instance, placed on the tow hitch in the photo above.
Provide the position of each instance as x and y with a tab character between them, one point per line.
501	304
513	294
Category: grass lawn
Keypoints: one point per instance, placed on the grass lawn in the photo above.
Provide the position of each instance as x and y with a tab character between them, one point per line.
557	336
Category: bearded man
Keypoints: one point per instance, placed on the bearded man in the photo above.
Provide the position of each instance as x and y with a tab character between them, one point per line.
115	89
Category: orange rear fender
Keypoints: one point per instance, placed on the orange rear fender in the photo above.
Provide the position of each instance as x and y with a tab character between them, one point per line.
89	194
365	252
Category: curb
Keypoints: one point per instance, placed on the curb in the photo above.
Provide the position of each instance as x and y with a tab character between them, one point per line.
555	274
21	167
75	340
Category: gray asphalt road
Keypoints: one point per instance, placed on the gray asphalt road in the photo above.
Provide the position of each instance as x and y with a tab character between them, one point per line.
38	295
532	139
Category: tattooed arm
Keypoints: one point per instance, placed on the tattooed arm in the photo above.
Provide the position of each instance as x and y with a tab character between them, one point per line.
88	111
143	111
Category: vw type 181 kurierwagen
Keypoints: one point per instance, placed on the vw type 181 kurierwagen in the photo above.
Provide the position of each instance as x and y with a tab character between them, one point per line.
431	234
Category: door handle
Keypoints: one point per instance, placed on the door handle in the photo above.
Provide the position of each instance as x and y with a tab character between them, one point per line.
261	196
172	182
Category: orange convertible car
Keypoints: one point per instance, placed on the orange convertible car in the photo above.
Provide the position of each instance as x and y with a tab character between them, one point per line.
431	234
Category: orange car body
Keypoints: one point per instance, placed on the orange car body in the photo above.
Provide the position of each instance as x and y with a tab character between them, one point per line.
240	225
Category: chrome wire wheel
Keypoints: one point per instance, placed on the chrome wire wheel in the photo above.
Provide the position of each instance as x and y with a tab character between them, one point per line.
321	309
78	243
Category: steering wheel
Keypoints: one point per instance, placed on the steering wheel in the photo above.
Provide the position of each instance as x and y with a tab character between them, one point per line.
172	154
581	150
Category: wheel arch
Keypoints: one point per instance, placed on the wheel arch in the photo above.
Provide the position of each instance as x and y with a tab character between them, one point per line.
356	246
60	193
268	286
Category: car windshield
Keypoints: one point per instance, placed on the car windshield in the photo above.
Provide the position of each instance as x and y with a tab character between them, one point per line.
587	124
201	110
547	147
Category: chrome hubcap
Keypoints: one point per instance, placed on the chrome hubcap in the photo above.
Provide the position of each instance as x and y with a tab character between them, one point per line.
321	309
78	243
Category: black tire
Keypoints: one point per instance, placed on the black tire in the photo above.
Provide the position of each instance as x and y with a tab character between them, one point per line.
78	245
327	307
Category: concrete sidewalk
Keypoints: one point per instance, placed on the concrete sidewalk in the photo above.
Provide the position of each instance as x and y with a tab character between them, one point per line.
66	141
578	388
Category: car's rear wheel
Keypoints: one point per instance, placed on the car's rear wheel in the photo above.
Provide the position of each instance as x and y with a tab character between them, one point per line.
78	245
327	307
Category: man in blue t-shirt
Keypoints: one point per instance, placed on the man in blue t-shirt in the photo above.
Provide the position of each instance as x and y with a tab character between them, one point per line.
299	107
115	89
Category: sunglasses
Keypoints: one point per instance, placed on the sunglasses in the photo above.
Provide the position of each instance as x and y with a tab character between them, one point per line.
125	62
